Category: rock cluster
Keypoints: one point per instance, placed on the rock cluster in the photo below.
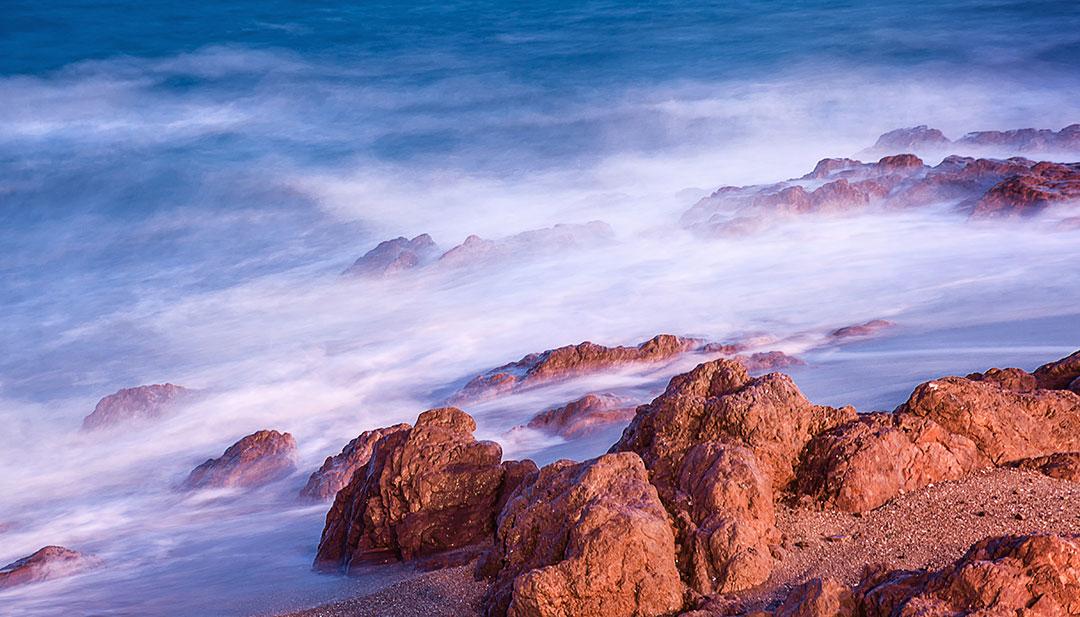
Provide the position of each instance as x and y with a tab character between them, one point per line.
584	415
260	458
44	564
925	139
337	470
139	403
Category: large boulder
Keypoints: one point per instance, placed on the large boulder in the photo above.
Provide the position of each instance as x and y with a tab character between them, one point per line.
44	564
725	518
585	415
424	490
337	470
139	403
818	597
571	361
587	538
260	458
1060	374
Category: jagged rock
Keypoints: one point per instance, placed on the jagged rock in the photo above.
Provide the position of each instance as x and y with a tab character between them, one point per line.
571	361
863	464
725	518
768	361
46	563
718	401
1025	140
424	490
395	256
1030	192
818	598
337	470
562	237
1005	424
1060	374
869	328
587	538
1061	465
911	139
260	458
587	414
139	403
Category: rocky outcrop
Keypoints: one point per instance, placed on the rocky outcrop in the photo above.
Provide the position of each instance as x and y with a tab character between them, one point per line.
911	139
1009	575
725	519
570	361
863	464
476	250
337	470
395	256
585	415
1060	374
1030	192
920	139
1061	465
869	328
719	401
140	403
424	490
768	361
260	458
587	538
47	563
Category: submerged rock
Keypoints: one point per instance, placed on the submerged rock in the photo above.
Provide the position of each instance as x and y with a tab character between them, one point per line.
139	403
585	415
337	470
562	237
46	563
869	328
424	490
260	458
395	256
587	538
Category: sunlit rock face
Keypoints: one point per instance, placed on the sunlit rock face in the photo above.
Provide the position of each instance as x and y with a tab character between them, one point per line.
571	361
45	564
588	538
337	470
425	490
135	404
258	459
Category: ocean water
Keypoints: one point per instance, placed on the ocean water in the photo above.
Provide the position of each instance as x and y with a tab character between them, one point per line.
182	183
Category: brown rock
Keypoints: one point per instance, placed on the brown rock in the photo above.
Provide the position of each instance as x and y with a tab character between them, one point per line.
584	415
1024	140
260	458
869	328
724	514
1006	425
1061	465
47	563
427	489
337	470
140	403
571	361
1030	192
863	464
476	250
818	598
1009	379
395	256
911	139
1060	374
586	538
768	361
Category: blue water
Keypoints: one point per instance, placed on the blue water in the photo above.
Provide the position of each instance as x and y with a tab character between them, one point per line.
182	182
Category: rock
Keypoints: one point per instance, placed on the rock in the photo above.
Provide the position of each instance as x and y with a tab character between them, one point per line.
1026	140
395	256
768	361
869	328
724	514
911	139
1061	465
337	470
587	538
1060	374
1005	424
1010	379
47	563
718	401
140	403
260	458
476	250
570	361
425	490
865	463
1030	192
585	415
818	598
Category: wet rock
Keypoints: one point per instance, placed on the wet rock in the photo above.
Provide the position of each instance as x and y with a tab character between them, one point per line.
587	414
395	256
719	401
911	139
260	458
476	250
337	470
571	361
1060	374
724	514
1005	424
1030	192
587	538
818	598
869	328
47	563
425	490
1026	140
863	464
1061	465
768	361
139	403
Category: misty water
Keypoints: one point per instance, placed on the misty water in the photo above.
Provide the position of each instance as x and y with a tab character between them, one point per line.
181	186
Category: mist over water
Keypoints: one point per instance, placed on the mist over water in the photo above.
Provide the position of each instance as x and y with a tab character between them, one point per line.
181	187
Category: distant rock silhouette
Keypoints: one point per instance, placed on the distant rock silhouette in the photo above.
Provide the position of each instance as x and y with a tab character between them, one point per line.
139	403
